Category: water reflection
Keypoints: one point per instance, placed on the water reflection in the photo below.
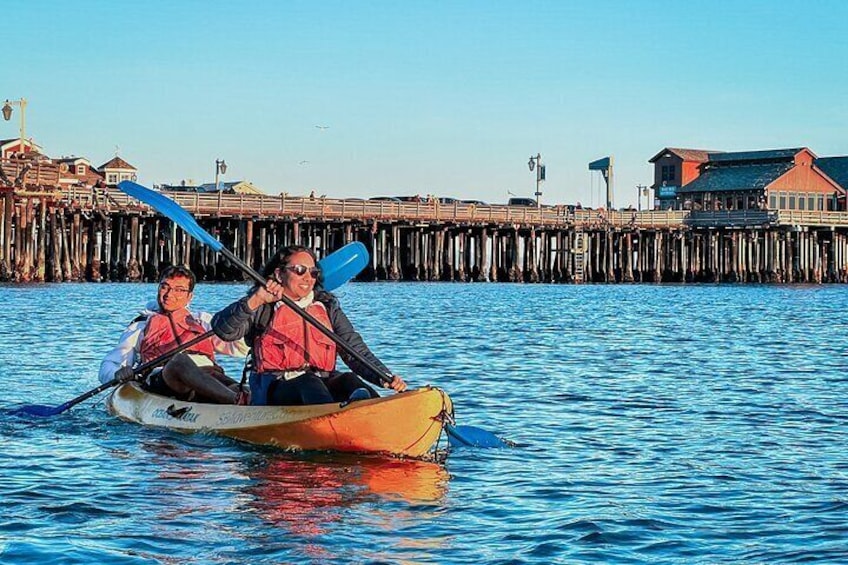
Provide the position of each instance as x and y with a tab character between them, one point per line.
306	493
197	480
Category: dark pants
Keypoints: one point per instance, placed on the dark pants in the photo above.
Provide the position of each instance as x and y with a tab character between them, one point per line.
155	383
308	388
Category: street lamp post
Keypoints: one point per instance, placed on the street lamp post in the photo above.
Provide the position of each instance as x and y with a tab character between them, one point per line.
220	167
640	190
7	115
536	162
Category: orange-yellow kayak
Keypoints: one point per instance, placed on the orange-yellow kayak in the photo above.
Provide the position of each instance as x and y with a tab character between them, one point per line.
408	424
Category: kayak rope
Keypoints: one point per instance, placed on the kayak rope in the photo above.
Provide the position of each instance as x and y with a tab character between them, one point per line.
437	420
445	417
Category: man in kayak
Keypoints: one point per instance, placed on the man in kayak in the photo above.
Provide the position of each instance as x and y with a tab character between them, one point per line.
293	362
160	328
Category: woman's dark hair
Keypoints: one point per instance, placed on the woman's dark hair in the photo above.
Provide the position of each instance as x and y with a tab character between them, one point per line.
179	271
282	257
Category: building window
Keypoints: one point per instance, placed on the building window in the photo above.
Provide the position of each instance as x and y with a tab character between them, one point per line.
819	202
782	196
112	178
791	200
80	169
667	173
772	201
802	202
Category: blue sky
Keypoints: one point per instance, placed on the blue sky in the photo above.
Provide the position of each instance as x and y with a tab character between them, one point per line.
449	98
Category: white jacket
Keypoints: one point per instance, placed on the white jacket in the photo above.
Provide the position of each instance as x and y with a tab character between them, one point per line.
126	354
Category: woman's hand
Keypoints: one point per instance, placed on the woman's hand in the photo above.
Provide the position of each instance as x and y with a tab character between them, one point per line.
268	294
397	384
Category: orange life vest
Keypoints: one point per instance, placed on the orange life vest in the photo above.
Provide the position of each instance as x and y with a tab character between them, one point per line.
291	343
159	335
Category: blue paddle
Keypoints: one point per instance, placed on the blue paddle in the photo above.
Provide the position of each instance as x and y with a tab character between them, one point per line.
169	208
337	268
470	436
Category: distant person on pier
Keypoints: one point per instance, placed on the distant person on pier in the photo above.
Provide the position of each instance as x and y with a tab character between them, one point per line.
161	327
293	362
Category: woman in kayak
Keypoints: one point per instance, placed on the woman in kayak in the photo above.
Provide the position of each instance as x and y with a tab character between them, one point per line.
293	362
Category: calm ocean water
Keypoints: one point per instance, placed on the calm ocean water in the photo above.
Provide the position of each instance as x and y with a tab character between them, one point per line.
673	424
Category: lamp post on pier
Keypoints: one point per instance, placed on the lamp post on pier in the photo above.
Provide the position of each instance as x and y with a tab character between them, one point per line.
536	162
220	167
641	189
7	115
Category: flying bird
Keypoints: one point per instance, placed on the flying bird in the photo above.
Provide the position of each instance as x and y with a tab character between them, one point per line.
303	162
323	127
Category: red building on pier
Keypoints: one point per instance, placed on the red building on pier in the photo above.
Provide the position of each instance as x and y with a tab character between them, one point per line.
777	179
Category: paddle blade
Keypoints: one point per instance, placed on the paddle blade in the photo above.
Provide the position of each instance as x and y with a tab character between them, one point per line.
39	410
343	264
172	210
470	436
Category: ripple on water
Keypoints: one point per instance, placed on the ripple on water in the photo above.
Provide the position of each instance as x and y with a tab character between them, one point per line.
669	424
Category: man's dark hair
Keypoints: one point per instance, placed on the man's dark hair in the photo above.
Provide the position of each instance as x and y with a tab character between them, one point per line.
179	271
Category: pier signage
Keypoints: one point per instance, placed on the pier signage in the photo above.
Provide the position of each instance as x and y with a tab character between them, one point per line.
666	191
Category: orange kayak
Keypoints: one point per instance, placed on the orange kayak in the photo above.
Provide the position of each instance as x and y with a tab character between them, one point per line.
408	424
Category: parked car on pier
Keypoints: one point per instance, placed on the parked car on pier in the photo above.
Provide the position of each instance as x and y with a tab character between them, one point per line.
521	202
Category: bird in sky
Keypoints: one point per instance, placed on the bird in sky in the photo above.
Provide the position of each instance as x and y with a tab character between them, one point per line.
322	128
304	162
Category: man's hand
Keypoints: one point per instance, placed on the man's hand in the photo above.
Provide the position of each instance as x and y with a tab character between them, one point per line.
125	374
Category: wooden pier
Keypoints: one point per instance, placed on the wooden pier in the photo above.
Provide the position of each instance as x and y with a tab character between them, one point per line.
74	234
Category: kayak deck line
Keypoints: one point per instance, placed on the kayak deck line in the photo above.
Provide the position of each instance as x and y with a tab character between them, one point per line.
407	424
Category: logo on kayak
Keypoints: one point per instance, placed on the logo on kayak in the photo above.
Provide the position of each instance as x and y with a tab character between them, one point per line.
240	417
171	412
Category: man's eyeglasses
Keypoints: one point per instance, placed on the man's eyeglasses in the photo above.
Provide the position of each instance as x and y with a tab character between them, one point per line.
301	270
179	291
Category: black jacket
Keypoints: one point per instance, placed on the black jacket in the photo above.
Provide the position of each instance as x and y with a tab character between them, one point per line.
237	321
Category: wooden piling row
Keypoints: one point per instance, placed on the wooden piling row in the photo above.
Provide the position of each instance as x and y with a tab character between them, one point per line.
43	240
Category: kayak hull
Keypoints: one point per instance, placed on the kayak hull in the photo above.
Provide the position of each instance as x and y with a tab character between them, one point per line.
408	424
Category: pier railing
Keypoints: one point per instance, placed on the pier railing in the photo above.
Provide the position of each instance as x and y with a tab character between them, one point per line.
762	218
284	206
323	209
811	218
731	218
28	174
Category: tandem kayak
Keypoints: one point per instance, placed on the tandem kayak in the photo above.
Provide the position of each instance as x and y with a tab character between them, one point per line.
408	424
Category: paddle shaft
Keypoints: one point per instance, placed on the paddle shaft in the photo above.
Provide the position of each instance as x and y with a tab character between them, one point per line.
137	371
308	317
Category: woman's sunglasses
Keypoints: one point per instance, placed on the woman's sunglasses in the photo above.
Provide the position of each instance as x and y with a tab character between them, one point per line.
301	270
